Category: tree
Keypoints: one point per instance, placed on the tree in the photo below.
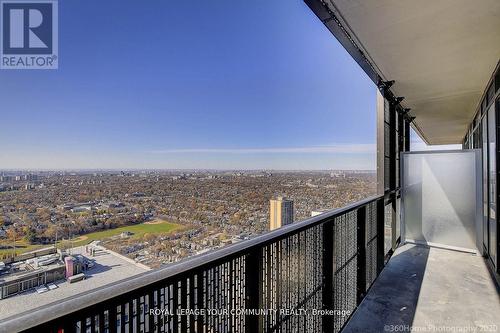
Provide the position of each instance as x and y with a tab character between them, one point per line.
43	215
14	234
30	236
150	238
51	231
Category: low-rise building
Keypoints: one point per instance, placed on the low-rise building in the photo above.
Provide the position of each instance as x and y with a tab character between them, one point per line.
24	274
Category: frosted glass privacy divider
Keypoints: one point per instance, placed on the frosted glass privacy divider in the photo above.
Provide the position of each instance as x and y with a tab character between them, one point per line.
442	199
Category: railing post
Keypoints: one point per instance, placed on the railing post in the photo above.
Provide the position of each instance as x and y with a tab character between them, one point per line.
380	234
138	313
200	298
183	304
150	317
361	254
175	305
328	267
253	290
101	321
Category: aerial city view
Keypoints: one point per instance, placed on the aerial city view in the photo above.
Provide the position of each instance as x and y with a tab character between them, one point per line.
57	225
298	166
159	217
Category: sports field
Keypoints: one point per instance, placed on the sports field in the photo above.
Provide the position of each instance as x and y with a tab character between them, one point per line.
138	230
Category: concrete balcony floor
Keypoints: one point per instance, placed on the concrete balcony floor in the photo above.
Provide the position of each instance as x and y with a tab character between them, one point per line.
430	290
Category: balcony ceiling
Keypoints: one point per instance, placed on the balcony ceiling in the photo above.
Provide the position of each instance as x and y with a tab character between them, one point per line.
441	53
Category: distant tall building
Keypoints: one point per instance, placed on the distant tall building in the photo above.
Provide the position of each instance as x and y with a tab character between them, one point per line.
281	212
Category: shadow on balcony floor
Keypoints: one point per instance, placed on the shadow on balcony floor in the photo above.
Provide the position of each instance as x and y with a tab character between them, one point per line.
431	290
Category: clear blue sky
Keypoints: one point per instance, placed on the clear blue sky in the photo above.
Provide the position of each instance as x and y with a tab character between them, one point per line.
190	84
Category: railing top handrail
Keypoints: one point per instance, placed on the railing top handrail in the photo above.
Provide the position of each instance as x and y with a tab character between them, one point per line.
75	303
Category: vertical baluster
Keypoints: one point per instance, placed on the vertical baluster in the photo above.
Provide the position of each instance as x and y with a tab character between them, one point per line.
361	254
253	292
328	268
380	234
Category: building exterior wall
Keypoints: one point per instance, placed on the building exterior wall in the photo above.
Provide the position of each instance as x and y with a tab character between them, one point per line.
30	281
281	213
483	133
393	138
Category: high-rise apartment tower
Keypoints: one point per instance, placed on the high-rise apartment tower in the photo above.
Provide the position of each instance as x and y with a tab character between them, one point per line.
281	212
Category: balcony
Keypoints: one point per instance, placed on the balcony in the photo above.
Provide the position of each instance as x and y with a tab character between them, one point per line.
325	263
329	264
429	289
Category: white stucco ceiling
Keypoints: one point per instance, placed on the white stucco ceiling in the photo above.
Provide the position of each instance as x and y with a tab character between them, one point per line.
441	53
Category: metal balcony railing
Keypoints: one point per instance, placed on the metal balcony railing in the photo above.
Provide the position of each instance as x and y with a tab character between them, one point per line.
289	275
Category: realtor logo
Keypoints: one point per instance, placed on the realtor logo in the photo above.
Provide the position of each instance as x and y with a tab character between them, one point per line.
29	35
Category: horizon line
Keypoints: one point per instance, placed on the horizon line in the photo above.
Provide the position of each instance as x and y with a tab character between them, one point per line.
176	169
347	148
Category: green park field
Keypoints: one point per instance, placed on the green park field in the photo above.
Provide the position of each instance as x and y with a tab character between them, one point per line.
137	230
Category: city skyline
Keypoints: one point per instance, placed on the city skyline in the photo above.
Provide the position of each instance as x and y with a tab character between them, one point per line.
416	144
